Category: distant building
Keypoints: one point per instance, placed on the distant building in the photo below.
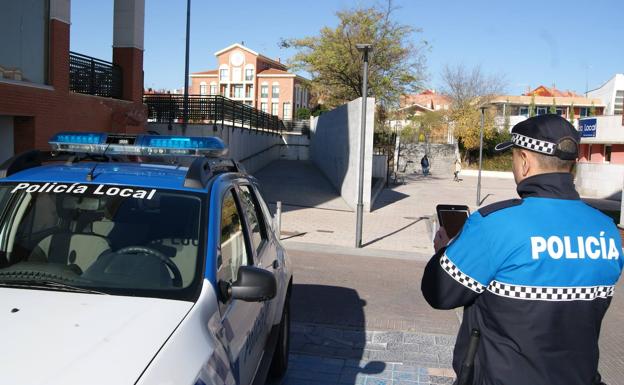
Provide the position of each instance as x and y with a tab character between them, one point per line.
254	79
517	107
411	105
611	94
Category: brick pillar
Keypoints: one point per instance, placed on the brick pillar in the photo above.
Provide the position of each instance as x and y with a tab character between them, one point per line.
58	67
128	46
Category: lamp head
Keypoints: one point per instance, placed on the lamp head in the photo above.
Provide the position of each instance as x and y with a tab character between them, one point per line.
364	47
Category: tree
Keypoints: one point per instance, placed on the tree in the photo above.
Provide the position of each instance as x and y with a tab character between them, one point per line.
532	107
507	117
592	110
396	63
553	107
470	90
470	86
571	115
432	125
303	113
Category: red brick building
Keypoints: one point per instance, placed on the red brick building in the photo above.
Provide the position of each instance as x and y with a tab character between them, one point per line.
39	93
254	79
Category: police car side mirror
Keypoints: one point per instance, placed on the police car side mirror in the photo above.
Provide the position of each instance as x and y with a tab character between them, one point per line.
254	285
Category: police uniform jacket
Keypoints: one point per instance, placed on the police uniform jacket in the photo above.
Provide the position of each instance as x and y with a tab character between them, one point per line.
536	276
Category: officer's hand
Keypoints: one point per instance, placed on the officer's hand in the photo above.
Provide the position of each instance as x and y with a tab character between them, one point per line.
441	239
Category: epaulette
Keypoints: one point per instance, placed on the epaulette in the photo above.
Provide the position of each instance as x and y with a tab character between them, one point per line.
489	209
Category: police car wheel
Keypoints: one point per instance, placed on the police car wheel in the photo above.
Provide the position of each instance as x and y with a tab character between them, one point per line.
279	363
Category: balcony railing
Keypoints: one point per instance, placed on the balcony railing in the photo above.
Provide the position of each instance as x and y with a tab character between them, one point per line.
88	75
209	109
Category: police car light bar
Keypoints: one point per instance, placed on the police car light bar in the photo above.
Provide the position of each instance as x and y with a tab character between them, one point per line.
123	144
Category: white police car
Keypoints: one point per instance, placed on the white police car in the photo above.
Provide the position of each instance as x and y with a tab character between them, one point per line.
138	260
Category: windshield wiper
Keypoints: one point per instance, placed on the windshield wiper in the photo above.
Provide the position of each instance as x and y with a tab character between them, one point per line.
46	284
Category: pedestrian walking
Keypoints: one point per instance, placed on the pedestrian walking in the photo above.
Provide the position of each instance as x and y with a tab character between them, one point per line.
535	275
458	167
424	163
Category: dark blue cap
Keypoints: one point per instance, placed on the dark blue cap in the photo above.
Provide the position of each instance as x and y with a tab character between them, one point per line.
544	134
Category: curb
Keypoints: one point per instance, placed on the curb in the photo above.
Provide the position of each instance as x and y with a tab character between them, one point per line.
363	252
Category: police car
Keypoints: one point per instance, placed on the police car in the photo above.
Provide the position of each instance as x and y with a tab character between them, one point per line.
138	260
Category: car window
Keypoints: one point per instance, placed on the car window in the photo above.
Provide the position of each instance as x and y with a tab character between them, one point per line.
253	215
126	241
233	250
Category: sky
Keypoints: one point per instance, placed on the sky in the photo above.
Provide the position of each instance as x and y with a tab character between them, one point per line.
572	44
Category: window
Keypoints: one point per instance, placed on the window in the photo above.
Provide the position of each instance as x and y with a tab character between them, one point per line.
560	111
213	89
96	230
238	91
275	91
264	107
236	74
542	110
286	115
264	91
583	112
254	218
249	74
524	111
223	74
249	92
618	106
233	251
607	153
274	109
202	89
24	41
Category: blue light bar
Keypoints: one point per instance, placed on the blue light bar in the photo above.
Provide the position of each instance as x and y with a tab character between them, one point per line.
122	144
79	142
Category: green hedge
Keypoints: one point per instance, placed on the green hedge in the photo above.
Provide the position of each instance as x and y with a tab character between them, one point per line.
501	162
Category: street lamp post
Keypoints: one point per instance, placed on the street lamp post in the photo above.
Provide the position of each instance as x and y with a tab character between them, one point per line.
365	49
480	156
186	68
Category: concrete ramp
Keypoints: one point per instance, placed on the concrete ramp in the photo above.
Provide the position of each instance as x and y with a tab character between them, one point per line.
299	184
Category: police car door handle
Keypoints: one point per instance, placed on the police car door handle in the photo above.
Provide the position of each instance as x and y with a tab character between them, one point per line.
275	264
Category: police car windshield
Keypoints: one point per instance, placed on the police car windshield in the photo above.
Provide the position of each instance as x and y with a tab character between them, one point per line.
114	239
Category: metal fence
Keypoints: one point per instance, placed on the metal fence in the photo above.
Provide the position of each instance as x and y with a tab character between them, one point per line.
209	109
88	75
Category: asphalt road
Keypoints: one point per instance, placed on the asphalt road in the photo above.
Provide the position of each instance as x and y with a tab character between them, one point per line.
358	291
375	293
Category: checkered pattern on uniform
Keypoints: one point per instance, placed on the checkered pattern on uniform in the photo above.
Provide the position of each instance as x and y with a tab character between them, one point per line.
460	277
587	293
533	144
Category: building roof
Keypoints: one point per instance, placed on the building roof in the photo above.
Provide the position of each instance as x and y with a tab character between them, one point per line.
562	101
210	72
428	99
551	92
275	71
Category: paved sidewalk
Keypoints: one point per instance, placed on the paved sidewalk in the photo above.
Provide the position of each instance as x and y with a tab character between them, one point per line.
314	213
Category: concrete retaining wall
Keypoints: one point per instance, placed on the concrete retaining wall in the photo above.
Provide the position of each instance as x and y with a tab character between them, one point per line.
380	166
441	158
295	147
253	149
600	180
334	149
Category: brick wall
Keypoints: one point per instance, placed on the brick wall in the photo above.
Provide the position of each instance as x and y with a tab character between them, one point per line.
41	111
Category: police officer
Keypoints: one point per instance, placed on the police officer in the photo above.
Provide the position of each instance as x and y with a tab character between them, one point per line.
535	275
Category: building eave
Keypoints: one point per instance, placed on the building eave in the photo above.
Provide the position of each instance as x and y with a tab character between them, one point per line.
237	45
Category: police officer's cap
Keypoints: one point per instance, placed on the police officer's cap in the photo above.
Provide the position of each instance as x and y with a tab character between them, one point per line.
544	134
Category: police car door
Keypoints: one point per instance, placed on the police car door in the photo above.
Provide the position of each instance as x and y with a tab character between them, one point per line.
238	318
256	229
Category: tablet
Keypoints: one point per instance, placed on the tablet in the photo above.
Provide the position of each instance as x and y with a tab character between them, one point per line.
452	218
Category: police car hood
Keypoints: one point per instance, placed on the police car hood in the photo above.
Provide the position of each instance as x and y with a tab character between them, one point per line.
59	338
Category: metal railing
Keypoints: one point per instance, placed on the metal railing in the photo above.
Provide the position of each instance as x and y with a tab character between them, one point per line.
209	109
88	75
